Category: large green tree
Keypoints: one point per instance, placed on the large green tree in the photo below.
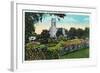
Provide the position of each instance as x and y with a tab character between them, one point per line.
72	33
80	33
45	36
30	20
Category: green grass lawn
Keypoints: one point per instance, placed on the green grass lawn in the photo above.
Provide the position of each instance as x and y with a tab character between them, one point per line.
83	53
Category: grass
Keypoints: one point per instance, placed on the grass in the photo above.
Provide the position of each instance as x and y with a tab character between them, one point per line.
83	53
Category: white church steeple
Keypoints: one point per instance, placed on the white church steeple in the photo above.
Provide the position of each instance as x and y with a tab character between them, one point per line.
53	28
53	22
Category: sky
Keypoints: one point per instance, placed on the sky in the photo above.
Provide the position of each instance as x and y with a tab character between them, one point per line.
70	20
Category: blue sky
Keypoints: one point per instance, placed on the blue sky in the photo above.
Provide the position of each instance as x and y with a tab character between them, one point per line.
76	19
70	20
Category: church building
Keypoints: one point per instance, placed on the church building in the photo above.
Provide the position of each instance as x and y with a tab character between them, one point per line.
53	29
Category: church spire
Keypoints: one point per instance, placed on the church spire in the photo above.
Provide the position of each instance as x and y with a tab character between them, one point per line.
53	29
53	22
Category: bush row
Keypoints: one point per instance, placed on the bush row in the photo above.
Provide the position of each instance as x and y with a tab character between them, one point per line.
40	52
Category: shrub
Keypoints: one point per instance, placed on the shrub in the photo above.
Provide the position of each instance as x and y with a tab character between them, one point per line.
35	51
62	38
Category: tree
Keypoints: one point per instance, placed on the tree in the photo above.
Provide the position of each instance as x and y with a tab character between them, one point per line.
80	33
72	33
44	36
86	32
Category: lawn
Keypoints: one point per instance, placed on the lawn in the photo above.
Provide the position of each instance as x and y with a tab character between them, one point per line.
83	53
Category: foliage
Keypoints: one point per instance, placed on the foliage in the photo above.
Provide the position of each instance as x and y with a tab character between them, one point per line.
72	33
31	45
78	33
62	38
44	36
86	32
35	51
28	26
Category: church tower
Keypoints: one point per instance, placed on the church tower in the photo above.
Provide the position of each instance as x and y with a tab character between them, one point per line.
53	22
53	29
